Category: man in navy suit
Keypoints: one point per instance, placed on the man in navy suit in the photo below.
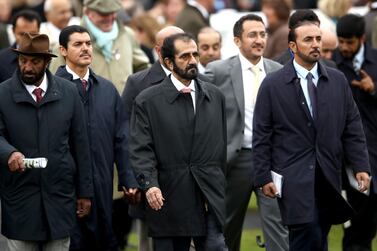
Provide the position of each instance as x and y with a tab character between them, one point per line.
305	124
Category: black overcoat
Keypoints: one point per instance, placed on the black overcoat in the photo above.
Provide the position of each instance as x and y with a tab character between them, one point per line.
184	157
288	141
40	204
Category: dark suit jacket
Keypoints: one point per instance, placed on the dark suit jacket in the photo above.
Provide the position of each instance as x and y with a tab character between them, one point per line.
191	20
286	139
183	155
8	63
367	103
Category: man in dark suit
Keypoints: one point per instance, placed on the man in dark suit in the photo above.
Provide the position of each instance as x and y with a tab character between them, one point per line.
135	84
305	124
178	152
107	126
23	21
239	84
41	115
358	61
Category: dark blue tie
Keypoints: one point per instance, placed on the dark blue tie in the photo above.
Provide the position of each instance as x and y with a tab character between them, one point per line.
312	89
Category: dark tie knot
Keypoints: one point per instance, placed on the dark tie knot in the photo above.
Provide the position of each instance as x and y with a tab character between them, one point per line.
84	84
38	94
309	76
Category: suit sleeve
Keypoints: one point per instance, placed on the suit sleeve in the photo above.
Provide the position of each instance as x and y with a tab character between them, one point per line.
141	150
262	135
353	138
125	173
80	149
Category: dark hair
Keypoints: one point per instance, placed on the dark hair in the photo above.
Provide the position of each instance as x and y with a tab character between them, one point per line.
238	29
350	25
29	15
299	18
68	31
168	49
282	8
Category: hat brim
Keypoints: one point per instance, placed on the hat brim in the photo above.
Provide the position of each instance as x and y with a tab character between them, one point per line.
44	54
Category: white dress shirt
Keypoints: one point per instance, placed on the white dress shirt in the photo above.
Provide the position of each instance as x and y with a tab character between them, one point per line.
180	86
75	76
248	79
43	86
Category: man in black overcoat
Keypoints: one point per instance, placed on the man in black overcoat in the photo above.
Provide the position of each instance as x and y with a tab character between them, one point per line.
178	152
41	116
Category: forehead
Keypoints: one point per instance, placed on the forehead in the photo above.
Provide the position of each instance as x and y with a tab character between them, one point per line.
208	38
79	37
348	40
308	30
252	25
182	46
21	21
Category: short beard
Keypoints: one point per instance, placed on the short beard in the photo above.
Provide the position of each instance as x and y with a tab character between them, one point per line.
189	73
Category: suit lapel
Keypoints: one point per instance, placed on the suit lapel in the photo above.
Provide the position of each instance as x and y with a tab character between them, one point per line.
237	82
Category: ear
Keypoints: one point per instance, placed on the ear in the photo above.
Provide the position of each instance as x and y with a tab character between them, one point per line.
237	41
292	45
63	51
169	64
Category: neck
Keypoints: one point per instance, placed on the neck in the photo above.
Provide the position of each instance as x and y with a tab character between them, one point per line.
254	60
306	65
78	69
184	81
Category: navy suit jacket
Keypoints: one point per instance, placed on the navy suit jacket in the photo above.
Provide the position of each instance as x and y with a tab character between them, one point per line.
8	63
288	141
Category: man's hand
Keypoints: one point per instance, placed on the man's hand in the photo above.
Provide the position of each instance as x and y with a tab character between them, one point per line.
83	207
154	198
366	82
363	180
16	162
270	190
132	195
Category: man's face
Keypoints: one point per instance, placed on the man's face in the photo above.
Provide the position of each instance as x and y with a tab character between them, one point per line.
79	50
32	68
185	64
328	47
348	47
60	13
209	47
103	21
253	40
22	26
307	48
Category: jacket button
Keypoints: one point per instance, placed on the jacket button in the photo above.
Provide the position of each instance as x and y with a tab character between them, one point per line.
237	150
311	166
147	183
309	124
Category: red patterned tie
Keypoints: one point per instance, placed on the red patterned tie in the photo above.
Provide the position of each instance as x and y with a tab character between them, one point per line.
38	94
84	84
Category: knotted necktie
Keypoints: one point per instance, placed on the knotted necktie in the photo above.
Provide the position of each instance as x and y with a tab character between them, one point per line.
38	94
185	90
84	84
256	83
312	90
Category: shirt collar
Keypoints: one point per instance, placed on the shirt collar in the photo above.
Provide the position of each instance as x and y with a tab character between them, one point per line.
167	72
180	86
302	72
43	85
200	7
75	76
246	64
358	59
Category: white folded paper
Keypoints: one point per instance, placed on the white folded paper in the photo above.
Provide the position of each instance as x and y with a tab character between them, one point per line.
35	162
277	179
353	182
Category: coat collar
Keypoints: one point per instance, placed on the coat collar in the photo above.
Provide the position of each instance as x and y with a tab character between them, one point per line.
290	75
21	95
63	73
172	93
156	73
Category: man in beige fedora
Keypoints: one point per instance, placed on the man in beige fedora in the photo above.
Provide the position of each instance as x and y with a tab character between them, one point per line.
41	116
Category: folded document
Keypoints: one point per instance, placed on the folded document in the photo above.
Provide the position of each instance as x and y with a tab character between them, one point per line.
277	179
